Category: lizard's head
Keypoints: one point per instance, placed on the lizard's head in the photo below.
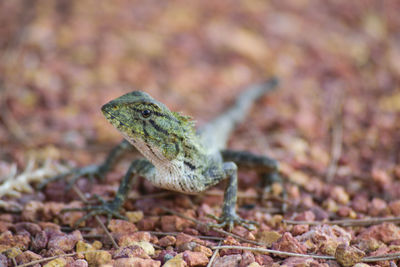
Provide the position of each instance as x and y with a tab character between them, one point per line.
148	124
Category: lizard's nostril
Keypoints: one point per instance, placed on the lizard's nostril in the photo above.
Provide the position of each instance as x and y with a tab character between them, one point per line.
108	107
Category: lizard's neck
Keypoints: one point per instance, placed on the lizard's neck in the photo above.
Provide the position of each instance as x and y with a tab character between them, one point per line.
182	173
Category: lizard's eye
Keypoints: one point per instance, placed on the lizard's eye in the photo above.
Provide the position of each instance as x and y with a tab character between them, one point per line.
146	113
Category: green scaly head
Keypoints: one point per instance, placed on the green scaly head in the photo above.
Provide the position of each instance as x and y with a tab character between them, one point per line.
149	125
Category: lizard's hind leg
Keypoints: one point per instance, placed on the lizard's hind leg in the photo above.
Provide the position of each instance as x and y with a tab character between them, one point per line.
268	168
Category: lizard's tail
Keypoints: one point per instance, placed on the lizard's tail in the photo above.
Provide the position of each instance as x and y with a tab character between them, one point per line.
215	134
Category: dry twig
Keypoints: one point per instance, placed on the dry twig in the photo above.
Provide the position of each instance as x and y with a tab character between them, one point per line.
392	256
337	136
176	233
83	198
214	255
15	184
350	222
276	252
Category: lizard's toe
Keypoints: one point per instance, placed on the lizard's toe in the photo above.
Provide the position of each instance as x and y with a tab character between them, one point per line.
108	208
230	220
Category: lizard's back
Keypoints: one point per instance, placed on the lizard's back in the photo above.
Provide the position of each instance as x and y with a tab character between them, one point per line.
214	135
183	160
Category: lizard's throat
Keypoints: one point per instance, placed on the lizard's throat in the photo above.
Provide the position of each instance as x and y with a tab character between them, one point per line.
177	174
153	154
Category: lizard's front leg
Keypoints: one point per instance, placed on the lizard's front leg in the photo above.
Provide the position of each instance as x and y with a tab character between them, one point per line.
92	170
229	216
139	167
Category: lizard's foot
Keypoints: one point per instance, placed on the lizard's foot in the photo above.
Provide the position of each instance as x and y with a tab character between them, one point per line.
108	208
274	188
230	220
90	171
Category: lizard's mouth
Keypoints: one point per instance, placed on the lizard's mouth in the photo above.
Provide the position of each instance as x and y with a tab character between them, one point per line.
106	110
110	117
107	114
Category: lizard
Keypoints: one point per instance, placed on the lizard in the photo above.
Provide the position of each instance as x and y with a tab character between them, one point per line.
176	156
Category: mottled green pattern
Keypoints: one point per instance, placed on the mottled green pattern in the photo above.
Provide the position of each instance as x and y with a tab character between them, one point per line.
139	117
178	158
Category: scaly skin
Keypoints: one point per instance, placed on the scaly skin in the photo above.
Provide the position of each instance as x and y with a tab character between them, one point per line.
177	157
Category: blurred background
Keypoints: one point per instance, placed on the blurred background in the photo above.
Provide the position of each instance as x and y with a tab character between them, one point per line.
338	62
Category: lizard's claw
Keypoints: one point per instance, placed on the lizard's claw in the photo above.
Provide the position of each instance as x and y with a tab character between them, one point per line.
108	208
230	220
90	171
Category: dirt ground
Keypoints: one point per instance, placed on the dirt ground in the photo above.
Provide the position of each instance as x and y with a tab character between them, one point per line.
333	125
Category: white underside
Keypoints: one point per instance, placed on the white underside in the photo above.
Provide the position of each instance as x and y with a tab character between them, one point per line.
171	175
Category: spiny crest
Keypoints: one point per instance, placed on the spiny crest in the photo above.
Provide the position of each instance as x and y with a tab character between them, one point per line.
186	121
